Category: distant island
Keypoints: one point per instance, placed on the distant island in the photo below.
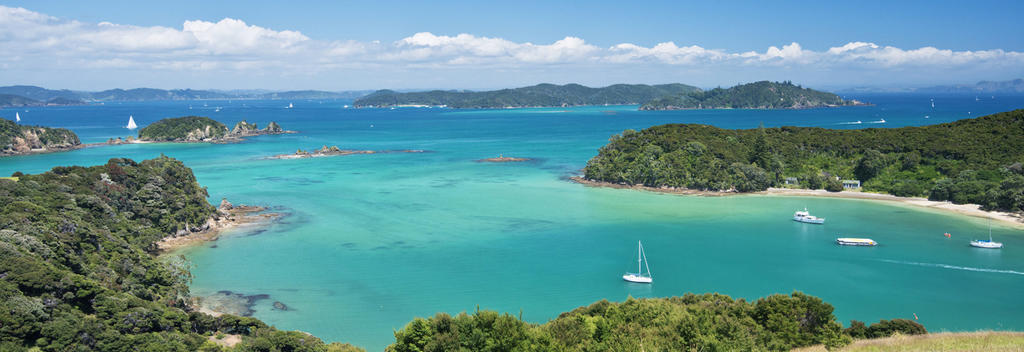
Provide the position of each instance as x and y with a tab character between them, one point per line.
18	139
11	100
976	161
757	95
541	95
203	129
503	159
335	151
152	94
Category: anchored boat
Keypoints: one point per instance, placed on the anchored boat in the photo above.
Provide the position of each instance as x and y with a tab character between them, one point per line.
989	243
639	277
805	216
851	241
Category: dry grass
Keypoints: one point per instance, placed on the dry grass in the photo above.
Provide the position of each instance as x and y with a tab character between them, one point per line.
999	341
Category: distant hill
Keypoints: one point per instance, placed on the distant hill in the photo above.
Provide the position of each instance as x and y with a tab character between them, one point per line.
1003	87
757	95
152	94
541	95
11	100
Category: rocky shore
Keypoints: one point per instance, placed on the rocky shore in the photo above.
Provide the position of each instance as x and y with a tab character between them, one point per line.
228	216
335	151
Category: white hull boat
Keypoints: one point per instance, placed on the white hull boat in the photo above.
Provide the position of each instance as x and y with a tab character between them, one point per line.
850	241
806	217
989	243
638	276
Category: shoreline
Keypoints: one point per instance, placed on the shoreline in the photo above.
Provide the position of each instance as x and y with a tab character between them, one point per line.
228	217
1011	219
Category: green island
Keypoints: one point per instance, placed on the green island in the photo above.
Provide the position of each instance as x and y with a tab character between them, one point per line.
18	139
81	271
757	95
190	129
967	161
541	95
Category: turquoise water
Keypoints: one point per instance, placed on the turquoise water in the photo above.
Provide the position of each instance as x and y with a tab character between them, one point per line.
371	241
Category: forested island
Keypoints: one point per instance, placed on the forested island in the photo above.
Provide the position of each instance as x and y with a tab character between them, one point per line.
975	160
757	95
18	139
203	129
541	95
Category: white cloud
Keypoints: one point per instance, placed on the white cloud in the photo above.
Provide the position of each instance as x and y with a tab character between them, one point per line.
35	42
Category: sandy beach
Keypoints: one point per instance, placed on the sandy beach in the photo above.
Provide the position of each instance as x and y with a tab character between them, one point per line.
1012	219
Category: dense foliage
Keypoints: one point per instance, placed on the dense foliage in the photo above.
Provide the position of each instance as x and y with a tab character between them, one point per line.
533	96
708	322
967	161
757	95
183	128
47	136
884	328
77	272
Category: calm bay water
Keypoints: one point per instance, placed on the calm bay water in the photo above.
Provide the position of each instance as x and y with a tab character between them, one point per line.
371	241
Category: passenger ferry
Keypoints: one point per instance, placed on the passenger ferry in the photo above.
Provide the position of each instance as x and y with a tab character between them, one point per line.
805	216
850	241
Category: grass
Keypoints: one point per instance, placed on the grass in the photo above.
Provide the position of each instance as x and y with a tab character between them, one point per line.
1000	341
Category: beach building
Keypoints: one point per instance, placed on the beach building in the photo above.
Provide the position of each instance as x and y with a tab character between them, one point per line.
791	181
851	184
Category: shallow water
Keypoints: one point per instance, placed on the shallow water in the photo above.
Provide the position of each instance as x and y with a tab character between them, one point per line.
371	241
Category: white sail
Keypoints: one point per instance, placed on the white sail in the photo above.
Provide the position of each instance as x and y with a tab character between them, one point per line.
131	123
17	118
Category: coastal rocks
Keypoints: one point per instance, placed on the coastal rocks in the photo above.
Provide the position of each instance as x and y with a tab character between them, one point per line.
205	134
225	205
246	129
503	159
227	302
335	151
280	306
119	140
17	139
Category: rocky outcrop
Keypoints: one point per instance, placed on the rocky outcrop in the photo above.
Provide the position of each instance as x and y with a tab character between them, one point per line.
246	129
17	139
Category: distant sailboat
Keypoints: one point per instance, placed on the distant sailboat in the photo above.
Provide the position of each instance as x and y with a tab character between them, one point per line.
290	106
933	103
131	123
17	118
639	277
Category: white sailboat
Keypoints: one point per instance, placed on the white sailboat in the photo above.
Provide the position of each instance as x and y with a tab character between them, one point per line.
933	103
987	243
131	123
290	106
639	277
17	118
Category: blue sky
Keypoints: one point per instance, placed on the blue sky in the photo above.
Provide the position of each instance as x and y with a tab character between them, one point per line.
339	45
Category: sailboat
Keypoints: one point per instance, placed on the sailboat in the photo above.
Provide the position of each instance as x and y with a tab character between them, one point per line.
933	103
290	106
17	118
131	123
639	277
987	243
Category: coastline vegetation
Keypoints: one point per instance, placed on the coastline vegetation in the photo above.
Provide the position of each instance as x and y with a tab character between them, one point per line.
975	160
708	322
183	128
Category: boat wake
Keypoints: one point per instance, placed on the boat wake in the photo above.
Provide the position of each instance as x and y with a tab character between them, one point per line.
851	123
954	267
